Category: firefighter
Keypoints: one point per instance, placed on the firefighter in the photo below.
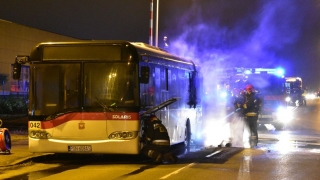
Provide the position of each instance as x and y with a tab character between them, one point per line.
236	122
238	101
251	109
157	142
303	96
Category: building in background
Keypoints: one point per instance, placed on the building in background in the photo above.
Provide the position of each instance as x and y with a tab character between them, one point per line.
18	39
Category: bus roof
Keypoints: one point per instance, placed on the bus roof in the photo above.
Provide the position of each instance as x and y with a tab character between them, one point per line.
140	48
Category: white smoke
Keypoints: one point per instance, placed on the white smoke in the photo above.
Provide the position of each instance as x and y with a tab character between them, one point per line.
254	40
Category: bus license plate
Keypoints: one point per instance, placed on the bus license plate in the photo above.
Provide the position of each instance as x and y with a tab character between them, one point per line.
80	148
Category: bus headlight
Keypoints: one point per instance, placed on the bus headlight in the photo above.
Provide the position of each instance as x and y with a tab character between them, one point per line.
288	99
123	135
40	134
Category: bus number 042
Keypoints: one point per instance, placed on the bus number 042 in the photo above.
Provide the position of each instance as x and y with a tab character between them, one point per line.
35	125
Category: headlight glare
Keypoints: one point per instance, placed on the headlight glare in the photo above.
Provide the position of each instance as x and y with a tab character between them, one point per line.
288	99
284	115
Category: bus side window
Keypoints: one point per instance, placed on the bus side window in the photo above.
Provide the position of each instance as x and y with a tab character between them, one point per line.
157	85
183	82
192	90
144	74
173	86
148	90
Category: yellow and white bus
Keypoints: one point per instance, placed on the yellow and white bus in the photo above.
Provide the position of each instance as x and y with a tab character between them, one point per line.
93	96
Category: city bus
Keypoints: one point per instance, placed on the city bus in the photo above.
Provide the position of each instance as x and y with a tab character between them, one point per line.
93	96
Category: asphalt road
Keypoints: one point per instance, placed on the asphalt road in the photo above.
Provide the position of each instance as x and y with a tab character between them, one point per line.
291	153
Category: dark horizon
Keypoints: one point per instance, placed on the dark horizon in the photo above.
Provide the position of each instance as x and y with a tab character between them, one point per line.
215	33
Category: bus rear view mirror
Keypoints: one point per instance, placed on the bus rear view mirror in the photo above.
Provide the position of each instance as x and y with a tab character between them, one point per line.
20	59
16	71
144	72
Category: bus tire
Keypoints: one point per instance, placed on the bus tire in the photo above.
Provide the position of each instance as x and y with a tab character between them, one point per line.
187	135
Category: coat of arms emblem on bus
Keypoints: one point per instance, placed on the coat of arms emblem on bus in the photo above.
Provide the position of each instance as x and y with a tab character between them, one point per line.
81	125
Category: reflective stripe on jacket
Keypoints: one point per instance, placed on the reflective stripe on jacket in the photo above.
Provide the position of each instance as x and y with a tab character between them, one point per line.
161	142
157	133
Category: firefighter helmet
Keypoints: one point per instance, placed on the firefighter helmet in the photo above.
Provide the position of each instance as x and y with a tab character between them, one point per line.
152	118
249	86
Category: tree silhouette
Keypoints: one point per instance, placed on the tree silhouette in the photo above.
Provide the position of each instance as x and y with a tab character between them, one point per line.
3	78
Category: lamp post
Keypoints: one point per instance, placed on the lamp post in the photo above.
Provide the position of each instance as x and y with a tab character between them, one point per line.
151	23
157	23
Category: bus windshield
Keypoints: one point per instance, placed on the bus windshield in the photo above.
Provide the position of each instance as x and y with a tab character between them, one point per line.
105	85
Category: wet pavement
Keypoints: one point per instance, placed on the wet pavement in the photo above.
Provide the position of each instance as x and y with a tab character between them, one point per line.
18	154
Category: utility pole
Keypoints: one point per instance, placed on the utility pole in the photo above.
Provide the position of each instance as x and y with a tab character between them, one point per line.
157	23
151	23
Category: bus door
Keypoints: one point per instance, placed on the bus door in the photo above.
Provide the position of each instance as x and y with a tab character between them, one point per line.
158	108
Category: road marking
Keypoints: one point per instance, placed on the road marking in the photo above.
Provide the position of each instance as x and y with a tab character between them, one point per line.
177	171
244	170
216	152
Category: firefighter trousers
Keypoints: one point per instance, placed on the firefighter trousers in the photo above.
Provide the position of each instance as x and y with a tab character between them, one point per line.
154	151
251	123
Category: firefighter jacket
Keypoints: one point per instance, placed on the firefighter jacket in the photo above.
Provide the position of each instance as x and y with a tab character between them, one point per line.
157	134
252	104
238	102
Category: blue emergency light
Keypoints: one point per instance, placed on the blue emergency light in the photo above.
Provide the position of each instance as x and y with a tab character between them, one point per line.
280	72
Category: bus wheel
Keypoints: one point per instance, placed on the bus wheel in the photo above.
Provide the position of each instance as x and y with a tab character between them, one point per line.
187	135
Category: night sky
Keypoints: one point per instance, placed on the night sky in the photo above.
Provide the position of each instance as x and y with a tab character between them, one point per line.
214	33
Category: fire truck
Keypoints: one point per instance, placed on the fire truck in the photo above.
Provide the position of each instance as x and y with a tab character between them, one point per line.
270	86
294	90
